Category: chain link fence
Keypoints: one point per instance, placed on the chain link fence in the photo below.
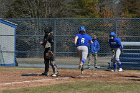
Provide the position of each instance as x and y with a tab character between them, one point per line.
30	32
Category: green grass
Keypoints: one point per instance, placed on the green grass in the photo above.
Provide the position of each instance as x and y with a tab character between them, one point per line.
83	87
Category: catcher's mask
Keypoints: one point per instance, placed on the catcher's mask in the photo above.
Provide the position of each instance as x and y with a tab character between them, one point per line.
47	30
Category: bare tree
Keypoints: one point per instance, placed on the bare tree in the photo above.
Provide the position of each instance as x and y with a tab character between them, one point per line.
36	8
4	5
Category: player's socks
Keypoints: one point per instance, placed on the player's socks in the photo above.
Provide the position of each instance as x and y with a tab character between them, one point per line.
115	66
120	65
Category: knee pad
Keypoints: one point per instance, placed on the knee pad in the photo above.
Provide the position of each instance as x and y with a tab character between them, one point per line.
83	60
117	60
52	58
52	63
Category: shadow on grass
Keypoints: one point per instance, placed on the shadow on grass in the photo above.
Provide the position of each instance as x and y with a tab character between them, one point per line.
134	78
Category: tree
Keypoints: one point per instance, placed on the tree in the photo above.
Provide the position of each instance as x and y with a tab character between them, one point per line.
4	5
84	8
70	8
131	8
35	8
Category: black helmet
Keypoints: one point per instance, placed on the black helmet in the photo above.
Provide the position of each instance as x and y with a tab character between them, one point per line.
48	29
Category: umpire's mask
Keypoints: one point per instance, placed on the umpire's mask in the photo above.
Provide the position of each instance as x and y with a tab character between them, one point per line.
47	30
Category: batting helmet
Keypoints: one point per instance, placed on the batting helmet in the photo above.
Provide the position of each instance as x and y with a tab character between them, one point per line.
112	34
82	28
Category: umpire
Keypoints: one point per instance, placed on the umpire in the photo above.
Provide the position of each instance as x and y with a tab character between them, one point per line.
48	43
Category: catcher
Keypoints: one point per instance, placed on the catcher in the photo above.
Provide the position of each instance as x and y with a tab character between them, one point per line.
48	43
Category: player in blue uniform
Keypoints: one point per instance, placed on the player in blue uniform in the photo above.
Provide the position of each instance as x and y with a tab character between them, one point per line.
116	47
93	51
82	41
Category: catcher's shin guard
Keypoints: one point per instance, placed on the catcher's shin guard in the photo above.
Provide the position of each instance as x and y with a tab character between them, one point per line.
54	67
46	68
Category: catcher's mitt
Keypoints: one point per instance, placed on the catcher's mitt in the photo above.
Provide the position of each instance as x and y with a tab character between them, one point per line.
49	54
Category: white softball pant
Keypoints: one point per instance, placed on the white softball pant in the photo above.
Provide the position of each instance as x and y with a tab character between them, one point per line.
117	54
83	52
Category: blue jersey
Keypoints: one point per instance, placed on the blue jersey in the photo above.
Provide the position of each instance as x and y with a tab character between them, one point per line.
115	43
94	47
83	39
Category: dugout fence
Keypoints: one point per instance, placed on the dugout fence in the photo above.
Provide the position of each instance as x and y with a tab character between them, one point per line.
30	32
130	57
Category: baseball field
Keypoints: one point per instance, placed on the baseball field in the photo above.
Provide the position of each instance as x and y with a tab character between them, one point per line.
29	80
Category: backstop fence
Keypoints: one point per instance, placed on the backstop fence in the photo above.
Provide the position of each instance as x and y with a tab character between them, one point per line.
30	32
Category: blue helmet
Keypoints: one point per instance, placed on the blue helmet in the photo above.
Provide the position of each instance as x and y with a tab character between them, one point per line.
112	34
82	28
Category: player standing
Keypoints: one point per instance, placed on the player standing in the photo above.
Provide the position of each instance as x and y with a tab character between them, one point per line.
82	41
93	52
116	47
48	43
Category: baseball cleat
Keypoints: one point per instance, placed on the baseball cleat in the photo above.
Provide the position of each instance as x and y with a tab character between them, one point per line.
45	74
54	75
120	70
115	70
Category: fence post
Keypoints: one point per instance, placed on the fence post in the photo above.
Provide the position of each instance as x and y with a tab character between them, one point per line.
55	35
116	26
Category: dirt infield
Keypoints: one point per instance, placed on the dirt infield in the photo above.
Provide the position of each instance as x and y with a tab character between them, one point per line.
15	78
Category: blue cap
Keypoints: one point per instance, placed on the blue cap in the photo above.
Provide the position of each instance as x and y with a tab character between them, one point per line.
82	28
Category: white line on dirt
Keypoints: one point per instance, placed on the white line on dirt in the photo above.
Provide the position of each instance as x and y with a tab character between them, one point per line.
31	81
